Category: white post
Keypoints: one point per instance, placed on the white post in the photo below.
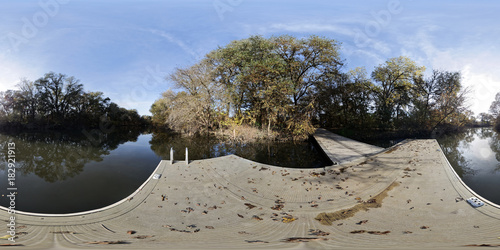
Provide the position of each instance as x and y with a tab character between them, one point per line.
171	156
187	159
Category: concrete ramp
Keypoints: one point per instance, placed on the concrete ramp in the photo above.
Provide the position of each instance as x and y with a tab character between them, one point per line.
341	149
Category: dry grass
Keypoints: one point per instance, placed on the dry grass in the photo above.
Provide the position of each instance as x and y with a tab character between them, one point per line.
375	202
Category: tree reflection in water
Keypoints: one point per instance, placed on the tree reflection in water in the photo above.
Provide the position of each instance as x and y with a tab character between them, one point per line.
55	156
475	156
452	146
285	154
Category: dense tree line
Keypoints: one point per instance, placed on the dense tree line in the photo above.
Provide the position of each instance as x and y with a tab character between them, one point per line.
494	114
289	85
57	101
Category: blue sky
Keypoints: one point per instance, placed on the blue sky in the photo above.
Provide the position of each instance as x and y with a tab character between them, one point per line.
126	48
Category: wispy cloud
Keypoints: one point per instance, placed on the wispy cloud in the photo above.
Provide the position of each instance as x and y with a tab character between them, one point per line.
171	38
311	28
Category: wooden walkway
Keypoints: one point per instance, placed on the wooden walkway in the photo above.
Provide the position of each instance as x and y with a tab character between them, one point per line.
231	202
342	150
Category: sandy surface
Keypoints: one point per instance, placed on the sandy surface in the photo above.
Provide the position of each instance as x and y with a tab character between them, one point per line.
230	202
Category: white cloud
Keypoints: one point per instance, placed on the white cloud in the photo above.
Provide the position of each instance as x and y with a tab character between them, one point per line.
476	64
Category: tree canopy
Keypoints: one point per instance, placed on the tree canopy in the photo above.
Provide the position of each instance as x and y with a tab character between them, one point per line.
289	85
59	101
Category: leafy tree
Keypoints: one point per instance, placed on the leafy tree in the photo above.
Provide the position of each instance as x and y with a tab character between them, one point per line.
395	78
495	111
58	94
495	106
57	101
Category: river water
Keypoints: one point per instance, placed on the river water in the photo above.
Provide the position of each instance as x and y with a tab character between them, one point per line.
67	173
475	156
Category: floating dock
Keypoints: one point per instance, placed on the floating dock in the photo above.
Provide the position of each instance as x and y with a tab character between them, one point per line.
407	196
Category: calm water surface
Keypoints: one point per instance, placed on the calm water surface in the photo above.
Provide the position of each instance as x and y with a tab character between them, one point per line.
475	156
62	173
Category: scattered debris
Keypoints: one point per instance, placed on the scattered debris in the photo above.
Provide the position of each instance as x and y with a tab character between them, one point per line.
358	231
249	206
255	217
424	227
63	232
362	222
209	227
379	232
131	232
302	239
108	242
318	232
241	216
256	241
141	237
288	219
483	245
314	174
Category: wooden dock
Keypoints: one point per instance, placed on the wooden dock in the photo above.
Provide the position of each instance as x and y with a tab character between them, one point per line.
415	200
342	150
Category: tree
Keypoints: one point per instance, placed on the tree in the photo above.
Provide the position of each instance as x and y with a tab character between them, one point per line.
272	81
485	119
56	101
59	95
29	99
395	78
439	100
346	100
495	111
202	91
495	106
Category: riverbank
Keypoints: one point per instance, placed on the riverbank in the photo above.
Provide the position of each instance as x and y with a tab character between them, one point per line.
230	202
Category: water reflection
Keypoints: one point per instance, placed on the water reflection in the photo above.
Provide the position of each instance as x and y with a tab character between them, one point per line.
285	154
73	172
453	146
59	156
475	156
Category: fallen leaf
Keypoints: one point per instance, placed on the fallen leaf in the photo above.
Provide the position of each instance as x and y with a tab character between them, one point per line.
108	242
362	222
249	206
318	232
141	237
379	233
358	231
